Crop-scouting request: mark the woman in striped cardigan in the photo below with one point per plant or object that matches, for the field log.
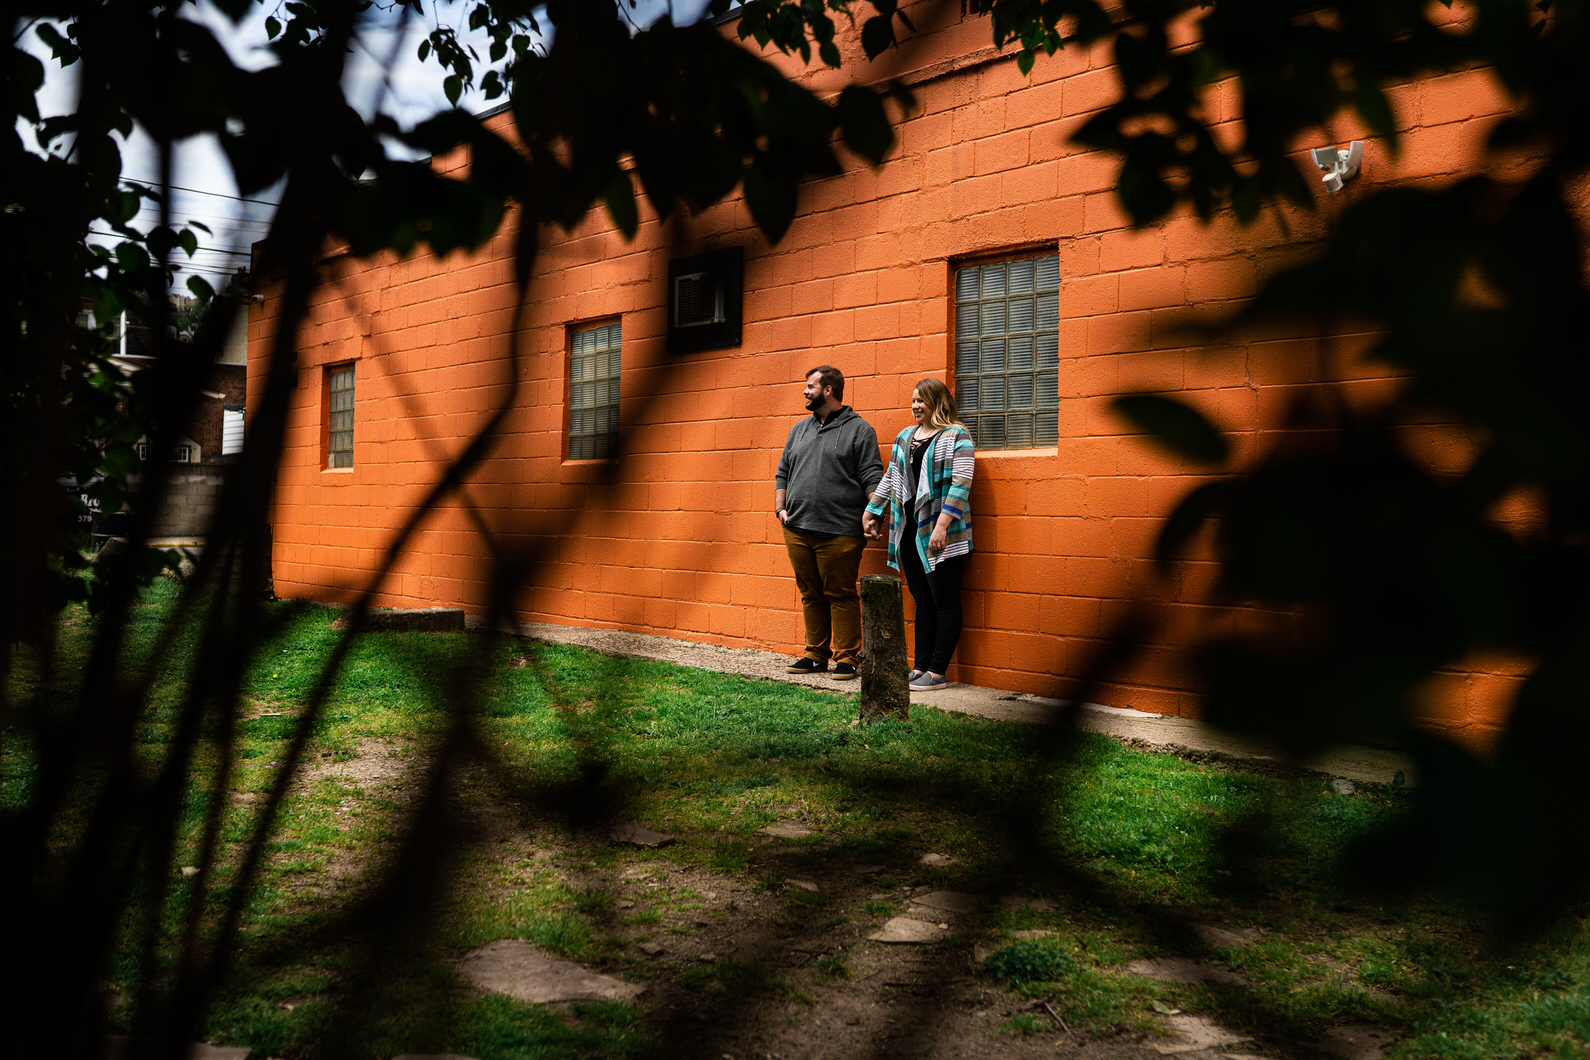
(930, 476)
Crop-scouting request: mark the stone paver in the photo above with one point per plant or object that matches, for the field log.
(788, 830)
(641, 837)
(903, 929)
(950, 901)
(1226, 935)
(519, 970)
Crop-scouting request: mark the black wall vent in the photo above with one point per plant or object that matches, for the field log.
(704, 301)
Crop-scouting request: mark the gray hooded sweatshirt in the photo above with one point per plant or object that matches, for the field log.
(828, 472)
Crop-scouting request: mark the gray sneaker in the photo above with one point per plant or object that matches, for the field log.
(926, 682)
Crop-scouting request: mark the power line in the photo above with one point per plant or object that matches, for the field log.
(190, 217)
(197, 250)
(200, 191)
(224, 217)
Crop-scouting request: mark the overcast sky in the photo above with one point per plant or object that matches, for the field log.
(203, 189)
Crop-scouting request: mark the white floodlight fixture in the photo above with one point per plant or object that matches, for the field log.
(1339, 165)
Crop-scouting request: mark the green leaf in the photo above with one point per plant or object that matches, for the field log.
(1024, 61)
(188, 241)
(132, 257)
(160, 241)
(425, 50)
(61, 48)
(201, 288)
(1179, 428)
(454, 87)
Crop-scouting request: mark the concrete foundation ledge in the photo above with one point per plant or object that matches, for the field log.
(407, 620)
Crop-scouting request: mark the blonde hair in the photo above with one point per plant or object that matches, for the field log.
(941, 411)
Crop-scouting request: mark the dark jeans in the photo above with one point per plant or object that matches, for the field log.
(937, 594)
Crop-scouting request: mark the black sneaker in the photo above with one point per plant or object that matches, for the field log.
(844, 672)
(809, 666)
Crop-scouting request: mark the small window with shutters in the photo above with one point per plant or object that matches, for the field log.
(339, 436)
(231, 429)
(593, 392)
(1007, 352)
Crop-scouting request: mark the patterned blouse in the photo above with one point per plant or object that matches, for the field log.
(945, 486)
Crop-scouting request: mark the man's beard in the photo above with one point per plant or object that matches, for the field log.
(814, 403)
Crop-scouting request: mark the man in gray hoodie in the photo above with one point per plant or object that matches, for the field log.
(828, 471)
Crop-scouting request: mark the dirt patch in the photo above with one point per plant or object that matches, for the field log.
(782, 965)
(741, 969)
(382, 764)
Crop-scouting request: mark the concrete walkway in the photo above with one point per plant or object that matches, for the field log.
(1151, 730)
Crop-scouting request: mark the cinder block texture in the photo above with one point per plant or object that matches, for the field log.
(676, 534)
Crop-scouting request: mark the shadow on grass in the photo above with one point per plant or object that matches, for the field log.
(496, 738)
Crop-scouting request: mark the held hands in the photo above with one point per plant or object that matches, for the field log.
(871, 526)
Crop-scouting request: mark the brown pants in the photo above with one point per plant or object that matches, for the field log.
(825, 572)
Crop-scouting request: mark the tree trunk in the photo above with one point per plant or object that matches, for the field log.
(885, 693)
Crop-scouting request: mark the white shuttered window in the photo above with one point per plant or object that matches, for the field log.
(231, 431)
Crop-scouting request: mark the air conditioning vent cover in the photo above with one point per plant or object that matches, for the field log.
(704, 297)
(698, 299)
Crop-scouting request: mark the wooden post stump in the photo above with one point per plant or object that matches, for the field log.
(885, 692)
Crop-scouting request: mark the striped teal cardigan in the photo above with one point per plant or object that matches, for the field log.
(945, 486)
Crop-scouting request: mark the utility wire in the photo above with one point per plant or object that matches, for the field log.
(197, 250)
(200, 191)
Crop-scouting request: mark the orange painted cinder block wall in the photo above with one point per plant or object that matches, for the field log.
(676, 536)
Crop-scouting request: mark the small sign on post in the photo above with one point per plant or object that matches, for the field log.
(885, 691)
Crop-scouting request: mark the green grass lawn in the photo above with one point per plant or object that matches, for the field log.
(1127, 847)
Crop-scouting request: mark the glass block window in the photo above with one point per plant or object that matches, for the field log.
(593, 393)
(1007, 352)
(339, 446)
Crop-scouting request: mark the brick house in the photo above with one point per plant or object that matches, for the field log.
(212, 438)
(986, 250)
